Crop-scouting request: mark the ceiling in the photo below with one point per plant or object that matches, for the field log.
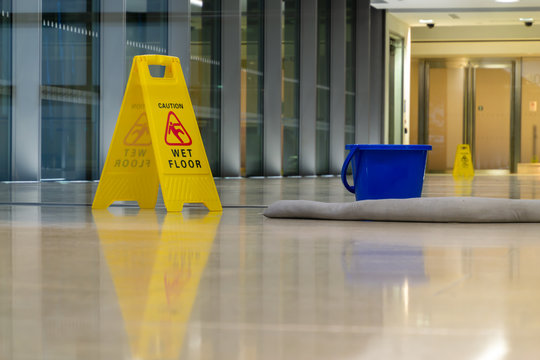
(461, 12)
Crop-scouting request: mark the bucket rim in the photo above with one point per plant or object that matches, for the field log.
(386, 147)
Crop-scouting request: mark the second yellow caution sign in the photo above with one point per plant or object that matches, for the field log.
(463, 165)
(157, 141)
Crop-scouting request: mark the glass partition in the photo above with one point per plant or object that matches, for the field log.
(146, 29)
(395, 90)
(530, 113)
(350, 74)
(205, 83)
(70, 90)
(322, 141)
(290, 116)
(5, 89)
(252, 85)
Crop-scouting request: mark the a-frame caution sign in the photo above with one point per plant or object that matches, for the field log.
(463, 165)
(157, 141)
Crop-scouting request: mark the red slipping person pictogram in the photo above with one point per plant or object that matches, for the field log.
(175, 132)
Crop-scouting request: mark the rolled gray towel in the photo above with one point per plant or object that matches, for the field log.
(442, 209)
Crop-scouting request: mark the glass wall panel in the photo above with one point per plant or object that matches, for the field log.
(5, 89)
(323, 88)
(290, 113)
(252, 84)
(530, 112)
(70, 89)
(413, 127)
(205, 88)
(350, 73)
(146, 29)
(395, 91)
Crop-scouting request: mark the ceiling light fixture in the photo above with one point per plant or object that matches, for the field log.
(425, 21)
(526, 19)
(506, 1)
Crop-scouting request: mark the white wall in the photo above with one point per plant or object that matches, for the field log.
(479, 41)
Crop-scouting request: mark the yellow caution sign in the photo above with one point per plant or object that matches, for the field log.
(463, 165)
(156, 276)
(157, 141)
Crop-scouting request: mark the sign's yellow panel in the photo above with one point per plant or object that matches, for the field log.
(157, 141)
(463, 165)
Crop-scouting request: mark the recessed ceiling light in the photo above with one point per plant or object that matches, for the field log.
(506, 1)
(425, 21)
(526, 19)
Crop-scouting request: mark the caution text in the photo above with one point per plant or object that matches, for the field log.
(183, 164)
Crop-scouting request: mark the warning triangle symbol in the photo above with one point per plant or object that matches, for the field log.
(139, 134)
(175, 132)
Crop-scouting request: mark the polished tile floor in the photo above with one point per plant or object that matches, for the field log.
(128, 284)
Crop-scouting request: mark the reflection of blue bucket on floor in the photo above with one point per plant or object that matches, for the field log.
(386, 171)
(379, 264)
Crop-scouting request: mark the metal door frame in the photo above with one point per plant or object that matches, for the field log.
(392, 131)
(469, 99)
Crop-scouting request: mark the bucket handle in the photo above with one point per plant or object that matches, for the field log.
(344, 171)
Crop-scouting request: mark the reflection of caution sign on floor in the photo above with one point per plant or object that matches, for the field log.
(156, 274)
(157, 141)
(463, 166)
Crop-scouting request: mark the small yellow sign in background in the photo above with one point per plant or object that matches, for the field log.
(157, 141)
(463, 165)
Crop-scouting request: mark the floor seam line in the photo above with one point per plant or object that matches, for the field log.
(123, 205)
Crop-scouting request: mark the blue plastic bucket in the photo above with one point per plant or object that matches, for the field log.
(386, 171)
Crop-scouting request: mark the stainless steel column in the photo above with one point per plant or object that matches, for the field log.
(180, 33)
(363, 26)
(230, 104)
(515, 119)
(113, 70)
(272, 88)
(308, 85)
(338, 66)
(26, 115)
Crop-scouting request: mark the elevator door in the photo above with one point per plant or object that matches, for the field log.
(445, 115)
(468, 103)
(491, 120)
